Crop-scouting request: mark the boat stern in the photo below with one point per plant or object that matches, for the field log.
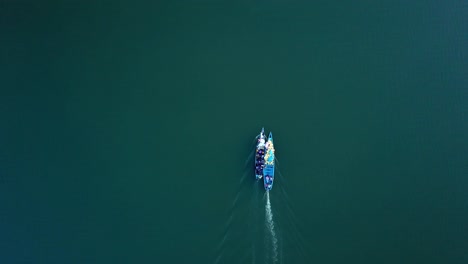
(268, 182)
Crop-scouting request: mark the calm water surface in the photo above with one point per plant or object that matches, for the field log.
(126, 131)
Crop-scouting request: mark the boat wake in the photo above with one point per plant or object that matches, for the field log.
(289, 221)
(252, 236)
(270, 224)
(238, 239)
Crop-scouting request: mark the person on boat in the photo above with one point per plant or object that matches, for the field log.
(261, 142)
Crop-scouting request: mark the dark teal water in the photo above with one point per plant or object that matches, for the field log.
(126, 131)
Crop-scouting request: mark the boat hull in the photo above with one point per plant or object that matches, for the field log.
(269, 169)
(269, 177)
(259, 155)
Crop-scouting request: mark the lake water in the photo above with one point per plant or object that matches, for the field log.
(127, 131)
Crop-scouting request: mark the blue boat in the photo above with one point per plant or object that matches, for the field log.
(260, 155)
(269, 169)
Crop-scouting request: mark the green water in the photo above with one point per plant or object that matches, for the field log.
(126, 131)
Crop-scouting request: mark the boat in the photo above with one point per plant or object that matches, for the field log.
(260, 155)
(269, 168)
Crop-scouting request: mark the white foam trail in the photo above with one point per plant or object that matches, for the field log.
(271, 228)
